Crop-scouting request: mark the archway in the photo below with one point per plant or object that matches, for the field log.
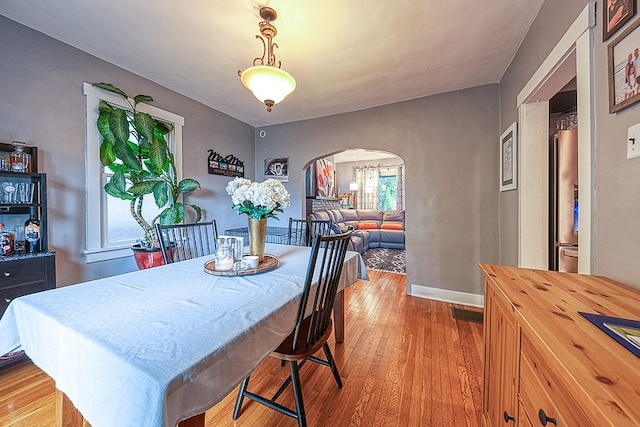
(363, 181)
(344, 164)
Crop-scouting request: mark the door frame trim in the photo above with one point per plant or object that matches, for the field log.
(572, 56)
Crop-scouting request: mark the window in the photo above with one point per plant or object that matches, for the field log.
(110, 229)
(380, 188)
(387, 190)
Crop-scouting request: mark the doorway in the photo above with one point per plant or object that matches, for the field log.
(362, 179)
(571, 58)
(365, 181)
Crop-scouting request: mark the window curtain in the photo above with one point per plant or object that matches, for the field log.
(400, 187)
(367, 180)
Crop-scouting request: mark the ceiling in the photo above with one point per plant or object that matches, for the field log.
(359, 155)
(345, 55)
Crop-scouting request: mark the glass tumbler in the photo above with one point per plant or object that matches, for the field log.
(18, 231)
(24, 192)
(8, 192)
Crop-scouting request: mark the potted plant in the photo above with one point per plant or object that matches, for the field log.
(135, 149)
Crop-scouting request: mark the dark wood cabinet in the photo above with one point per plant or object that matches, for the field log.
(24, 273)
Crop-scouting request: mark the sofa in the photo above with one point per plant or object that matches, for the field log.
(372, 228)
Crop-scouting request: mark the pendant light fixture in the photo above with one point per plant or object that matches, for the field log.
(268, 82)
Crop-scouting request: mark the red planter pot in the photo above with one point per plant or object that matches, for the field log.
(147, 258)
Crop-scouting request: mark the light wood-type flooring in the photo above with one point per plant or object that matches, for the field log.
(405, 362)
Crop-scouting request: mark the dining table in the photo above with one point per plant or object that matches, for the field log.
(158, 347)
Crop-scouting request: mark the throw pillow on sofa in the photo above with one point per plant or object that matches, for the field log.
(367, 226)
(391, 226)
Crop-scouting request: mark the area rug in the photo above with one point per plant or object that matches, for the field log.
(467, 315)
(383, 259)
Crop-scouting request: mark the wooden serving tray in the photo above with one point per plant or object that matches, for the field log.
(268, 263)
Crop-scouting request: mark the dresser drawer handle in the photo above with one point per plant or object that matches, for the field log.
(7, 274)
(507, 417)
(544, 419)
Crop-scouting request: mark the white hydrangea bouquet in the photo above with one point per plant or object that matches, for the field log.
(259, 200)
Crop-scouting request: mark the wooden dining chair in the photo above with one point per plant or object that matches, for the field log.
(313, 325)
(301, 231)
(179, 242)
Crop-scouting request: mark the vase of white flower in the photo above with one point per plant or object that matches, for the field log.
(259, 201)
(257, 237)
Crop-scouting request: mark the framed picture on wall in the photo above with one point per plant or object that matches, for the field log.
(325, 178)
(508, 158)
(616, 14)
(277, 168)
(624, 68)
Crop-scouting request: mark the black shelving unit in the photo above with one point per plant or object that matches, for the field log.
(24, 273)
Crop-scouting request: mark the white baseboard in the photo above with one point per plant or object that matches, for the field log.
(445, 295)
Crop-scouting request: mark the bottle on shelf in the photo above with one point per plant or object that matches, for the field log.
(18, 159)
(7, 242)
(32, 232)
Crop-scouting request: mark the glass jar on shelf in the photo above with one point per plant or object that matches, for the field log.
(7, 242)
(32, 232)
(19, 161)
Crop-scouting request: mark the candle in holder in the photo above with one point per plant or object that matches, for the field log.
(224, 257)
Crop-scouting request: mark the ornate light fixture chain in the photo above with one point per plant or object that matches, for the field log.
(268, 82)
(268, 32)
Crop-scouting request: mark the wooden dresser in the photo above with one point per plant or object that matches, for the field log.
(545, 364)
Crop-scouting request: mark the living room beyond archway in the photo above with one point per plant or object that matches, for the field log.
(364, 190)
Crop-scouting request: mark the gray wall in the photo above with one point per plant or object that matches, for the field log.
(616, 181)
(41, 102)
(449, 145)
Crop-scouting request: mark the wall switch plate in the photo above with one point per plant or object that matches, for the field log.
(633, 142)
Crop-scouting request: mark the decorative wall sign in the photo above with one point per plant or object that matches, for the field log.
(227, 166)
(277, 168)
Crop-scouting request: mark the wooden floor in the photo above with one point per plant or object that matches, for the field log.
(405, 362)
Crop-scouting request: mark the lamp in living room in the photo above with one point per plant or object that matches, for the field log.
(268, 83)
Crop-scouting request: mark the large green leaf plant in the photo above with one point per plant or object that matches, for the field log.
(134, 147)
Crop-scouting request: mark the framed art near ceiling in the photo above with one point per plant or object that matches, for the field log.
(616, 14)
(624, 68)
(508, 158)
(277, 168)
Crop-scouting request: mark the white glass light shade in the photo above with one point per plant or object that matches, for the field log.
(268, 83)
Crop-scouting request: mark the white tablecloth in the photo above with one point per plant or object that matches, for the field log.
(154, 347)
